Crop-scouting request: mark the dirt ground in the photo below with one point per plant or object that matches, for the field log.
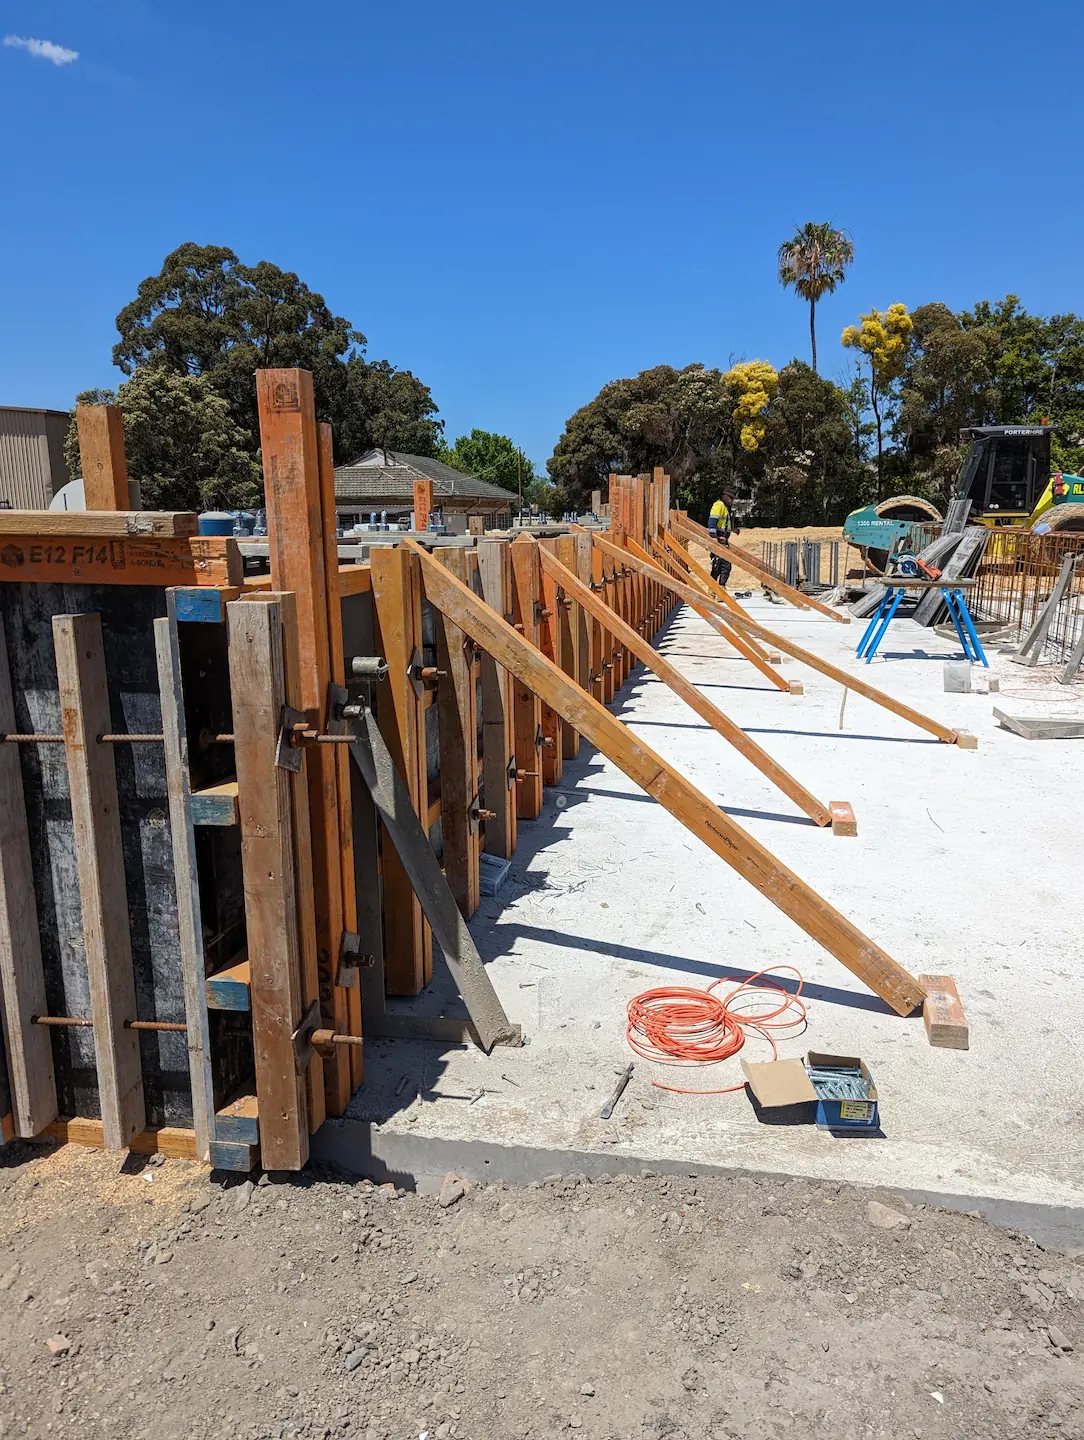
(650, 1307)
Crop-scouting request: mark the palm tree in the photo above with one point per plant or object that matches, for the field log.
(814, 260)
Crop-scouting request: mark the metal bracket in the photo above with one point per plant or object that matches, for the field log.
(287, 754)
(414, 671)
(338, 697)
(349, 960)
(511, 773)
(539, 737)
(304, 1049)
(474, 818)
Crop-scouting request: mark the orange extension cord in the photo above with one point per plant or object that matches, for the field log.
(676, 1025)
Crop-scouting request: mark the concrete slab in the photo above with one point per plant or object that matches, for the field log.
(962, 865)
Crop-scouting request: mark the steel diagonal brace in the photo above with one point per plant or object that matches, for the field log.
(370, 753)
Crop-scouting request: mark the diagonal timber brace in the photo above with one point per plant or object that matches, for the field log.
(696, 598)
(753, 861)
(670, 675)
(743, 644)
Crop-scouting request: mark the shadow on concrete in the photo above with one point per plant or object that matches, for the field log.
(505, 936)
(763, 689)
(844, 735)
(739, 813)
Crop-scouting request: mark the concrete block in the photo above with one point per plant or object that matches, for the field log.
(966, 741)
(958, 677)
(796, 687)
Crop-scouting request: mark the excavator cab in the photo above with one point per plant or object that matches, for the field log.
(1005, 473)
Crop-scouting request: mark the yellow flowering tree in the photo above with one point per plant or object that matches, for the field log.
(752, 385)
(884, 338)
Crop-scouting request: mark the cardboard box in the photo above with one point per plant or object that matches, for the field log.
(784, 1092)
(858, 1112)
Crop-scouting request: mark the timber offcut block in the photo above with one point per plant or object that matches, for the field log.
(230, 989)
(225, 1155)
(966, 741)
(215, 804)
(238, 1123)
(843, 821)
(795, 687)
(943, 1014)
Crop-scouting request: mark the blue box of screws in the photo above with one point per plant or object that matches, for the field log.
(846, 1094)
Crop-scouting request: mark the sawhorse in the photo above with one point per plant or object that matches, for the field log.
(952, 592)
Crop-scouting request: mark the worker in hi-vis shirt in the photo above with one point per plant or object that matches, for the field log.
(720, 524)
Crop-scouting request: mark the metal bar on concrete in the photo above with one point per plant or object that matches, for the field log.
(392, 800)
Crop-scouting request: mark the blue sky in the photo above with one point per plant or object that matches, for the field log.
(520, 202)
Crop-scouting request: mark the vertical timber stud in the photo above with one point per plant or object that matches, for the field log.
(550, 642)
(101, 457)
(571, 621)
(498, 718)
(258, 684)
(423, 503)
(99, 858)
(22, 978)
(457, 717)
(291, 461)
(526, 605)
(582, 567)
(598, 634)
(398, 617)
(315, 1090)
(342, 758)
(189, 914)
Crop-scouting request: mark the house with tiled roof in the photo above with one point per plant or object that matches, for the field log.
(384, 480)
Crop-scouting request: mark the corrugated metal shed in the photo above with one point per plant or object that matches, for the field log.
(32, 467)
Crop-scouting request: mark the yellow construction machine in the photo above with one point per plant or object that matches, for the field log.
(1006, 477)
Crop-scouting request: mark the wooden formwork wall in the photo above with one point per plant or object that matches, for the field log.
(219, 896)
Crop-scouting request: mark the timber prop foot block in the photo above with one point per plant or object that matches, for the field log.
(943, 1014)
(774, 657)
(966, 741)
(843, 821)
(795, 687)
(227, 1155)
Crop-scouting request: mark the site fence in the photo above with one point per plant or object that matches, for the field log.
(1016, 578)
(812, 562)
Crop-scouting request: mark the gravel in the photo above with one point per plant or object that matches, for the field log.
(647, 1308)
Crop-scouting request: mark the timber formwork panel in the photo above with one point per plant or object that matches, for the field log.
(144, 836)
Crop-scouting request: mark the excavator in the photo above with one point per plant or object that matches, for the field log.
(1006, 477)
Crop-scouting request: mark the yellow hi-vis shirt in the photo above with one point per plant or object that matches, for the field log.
(720, 514)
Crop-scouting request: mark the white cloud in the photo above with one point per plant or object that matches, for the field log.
(42, 49)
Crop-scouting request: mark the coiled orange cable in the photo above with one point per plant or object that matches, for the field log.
(676, 1025)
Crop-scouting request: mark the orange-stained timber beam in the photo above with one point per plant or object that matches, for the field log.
(698, 598)
(742, 560)
(670, 675)
(682, 799)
